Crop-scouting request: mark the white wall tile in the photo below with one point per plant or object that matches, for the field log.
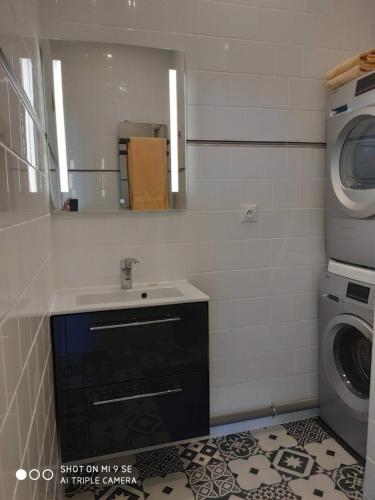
(304, 32)
(287, 125)
(317, 61)
(306, 360)
(311, 123)
(15, 122)
(207, 87)
(302, 93)
(4, 109)
(289, 60)
(322, 7)
(260, 124)
(11, 454)
(354, 36)
(273, 92)
(243, 90)
(25, 248)
(234, 20)
(274, 26)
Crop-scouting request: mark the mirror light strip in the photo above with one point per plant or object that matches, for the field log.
(173, 128)
(27, 82)
(60, 125)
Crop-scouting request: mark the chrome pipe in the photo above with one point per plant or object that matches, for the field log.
(269, 411)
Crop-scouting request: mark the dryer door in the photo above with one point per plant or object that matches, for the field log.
(353, 164)
(346, 353)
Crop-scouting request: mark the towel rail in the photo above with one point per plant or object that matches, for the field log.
(124, 179)
(264, 144)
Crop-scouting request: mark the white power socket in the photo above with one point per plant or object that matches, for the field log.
(249, 213)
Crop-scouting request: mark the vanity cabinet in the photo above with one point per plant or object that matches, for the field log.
(131, 378)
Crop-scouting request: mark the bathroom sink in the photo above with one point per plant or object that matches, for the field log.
(111, 297)
(128, 295)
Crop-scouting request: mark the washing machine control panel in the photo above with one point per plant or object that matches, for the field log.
(365, 84)
(358, 292)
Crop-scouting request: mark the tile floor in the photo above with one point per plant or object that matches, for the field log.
(297, 460)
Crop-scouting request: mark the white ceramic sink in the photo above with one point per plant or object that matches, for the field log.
(129, 295)
(76, 300)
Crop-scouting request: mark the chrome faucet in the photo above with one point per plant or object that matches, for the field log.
(126, 272)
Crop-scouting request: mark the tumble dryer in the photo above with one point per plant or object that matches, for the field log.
(350, 200)
(346, 303)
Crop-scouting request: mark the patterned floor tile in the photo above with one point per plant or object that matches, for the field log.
(198, 453)
(121, 493)
(160, 462)
(87, 495)
(329, 454)
(279, 491)
(240, 445)
(349, 480)
(214, 481)
(293, 463)
(253, 472)
(306, 431)
(315, 487)
(72, 490)
(273, 438)
(76, 491)
(296, 461)
(172, 487)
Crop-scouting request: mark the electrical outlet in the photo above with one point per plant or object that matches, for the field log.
(249, 213)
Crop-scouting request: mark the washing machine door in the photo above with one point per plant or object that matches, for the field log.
(352, 163)
(346, 353)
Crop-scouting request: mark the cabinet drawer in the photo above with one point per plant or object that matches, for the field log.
(121, 417)
(92, 349)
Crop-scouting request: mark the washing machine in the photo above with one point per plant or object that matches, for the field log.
(350, 193)
(346, 312)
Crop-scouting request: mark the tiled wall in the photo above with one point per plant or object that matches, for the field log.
(126, 83)
(254, 71)
(27, 428)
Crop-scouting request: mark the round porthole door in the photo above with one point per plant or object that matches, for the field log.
(352, 165)
(347, 347)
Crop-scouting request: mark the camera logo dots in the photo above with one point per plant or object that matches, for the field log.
(21, 474)
(47, 474)
(34, 474)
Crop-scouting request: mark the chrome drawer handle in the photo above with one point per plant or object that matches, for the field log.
(135, 323)
(137, 396)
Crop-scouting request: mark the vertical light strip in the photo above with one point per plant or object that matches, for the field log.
(27, 82)
(60, 125)
(173, 128)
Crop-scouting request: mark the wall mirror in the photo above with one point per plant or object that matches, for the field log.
(116, 126)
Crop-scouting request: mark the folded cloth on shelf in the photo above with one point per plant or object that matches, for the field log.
(365, 61)
(347, 76)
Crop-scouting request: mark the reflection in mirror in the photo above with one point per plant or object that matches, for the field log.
(116, 126)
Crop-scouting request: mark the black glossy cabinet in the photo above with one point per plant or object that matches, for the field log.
(129, 379)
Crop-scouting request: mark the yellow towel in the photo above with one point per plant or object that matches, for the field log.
(365, 60)
(347, 76)
(148, 173)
